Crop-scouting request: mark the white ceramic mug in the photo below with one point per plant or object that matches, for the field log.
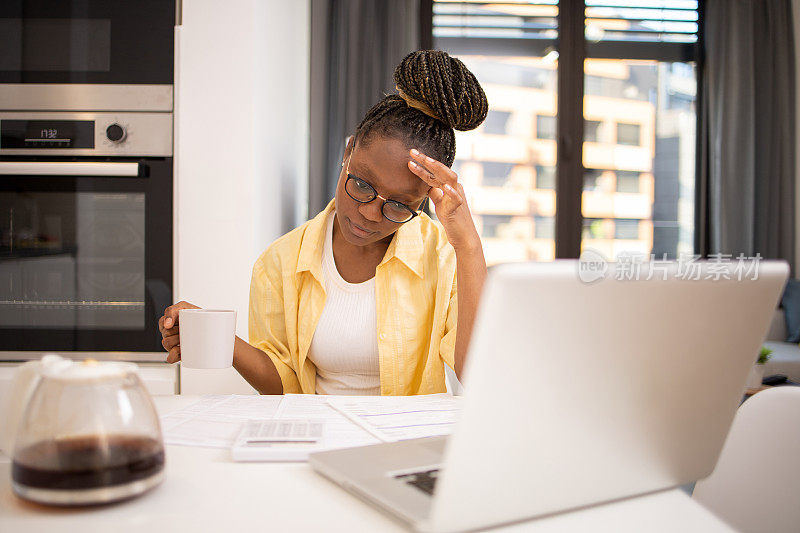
(207, 337)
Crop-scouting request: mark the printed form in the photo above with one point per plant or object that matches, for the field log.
(393, 418)
(217, 420)
(340, 432)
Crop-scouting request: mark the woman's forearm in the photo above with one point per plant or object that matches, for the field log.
(256, 367)
(470, 277)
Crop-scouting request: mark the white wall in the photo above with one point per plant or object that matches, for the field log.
(241, 145)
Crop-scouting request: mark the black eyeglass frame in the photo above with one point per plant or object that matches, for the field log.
(375, 195)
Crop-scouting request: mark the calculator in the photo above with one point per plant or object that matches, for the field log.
(278, 440)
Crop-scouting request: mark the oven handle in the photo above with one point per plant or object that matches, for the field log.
(67, 168)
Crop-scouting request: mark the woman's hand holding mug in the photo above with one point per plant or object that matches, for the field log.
(170, 331)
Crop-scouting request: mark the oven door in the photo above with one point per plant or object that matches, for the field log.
(87, 41)
(85, 253)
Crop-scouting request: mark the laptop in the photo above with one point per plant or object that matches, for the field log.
(582, 386)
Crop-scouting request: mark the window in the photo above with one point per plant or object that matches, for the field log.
(545, 127)
(544, 227)
(597, 229)
(641, 22)
(496, 122)
(602, 86)
(627, 181)
(677, 100)
(681, 69)
(590, 131)
(590, 179)
(545, 177)
(493, 225)
(517, 74)
(538, 78)
(660, 165)
(628, 134)
(635, 173)
(496, 174)
(626, 229)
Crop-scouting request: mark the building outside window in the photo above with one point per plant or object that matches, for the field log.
(496, 174)
(545, 177)
(494, 225)
(597, 229)
(626, 228)
(639, 129)
(629, 134)
(544, 227)
(591, 131)
(628, 181)
(545, 127)
(496, 122)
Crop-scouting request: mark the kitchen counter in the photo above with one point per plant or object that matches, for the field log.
(204, 490)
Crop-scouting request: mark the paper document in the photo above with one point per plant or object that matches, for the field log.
(393, 418)
(215, 420)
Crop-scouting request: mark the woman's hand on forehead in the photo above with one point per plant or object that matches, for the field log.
(448, 199)
(434, 173)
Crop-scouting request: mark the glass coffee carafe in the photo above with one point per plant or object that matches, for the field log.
(89, 434)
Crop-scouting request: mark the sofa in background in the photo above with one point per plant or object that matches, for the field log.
(786, 355)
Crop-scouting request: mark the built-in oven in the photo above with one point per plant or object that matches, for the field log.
(85, 231)
(86, 121)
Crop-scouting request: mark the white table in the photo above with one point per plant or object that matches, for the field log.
(204, 490)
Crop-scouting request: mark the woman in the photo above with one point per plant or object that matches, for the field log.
(371, 296)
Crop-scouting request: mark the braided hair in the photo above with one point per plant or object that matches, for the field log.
(446, 87)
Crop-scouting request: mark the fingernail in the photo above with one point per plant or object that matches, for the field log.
(414, 151)
(167, 322)
(414, 164)
(449, 188)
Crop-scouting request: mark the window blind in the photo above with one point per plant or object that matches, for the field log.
(496, 20)
(674, 21)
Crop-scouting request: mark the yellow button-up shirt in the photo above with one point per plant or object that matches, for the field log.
(415, 296)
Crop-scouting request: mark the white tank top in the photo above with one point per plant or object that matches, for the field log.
(345, 344)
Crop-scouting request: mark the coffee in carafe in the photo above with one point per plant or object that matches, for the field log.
(88, 462)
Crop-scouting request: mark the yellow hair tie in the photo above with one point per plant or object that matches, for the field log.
(416, 104)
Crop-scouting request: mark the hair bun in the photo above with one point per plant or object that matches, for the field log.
(445, 85)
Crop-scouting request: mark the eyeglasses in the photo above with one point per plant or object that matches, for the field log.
(363, 193)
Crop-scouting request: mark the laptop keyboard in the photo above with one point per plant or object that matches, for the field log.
(424, 481)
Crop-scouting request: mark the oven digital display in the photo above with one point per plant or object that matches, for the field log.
(46, 134)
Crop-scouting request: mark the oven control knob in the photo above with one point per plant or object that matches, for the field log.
(115, 133)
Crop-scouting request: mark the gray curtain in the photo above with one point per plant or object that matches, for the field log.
(747, 177)
(355, 46)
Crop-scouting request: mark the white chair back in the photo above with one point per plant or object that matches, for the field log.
(756, 483)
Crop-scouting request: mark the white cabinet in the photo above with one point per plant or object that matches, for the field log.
(6, 374)
(213, 381)
(241, 150)
(158, 378)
